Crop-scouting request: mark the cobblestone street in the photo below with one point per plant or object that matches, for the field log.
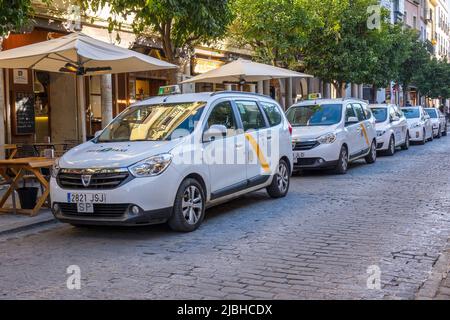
(316, 243)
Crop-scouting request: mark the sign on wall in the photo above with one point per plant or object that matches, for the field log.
(20, 76)
(25, 122)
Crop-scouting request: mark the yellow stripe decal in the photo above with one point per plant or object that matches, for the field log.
(365, 134)
(258, 151)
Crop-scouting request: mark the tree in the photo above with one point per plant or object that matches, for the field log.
(417, 57)
(433, 80)
(14, 14)
(179, 24)
(340, 48)
(274, 29)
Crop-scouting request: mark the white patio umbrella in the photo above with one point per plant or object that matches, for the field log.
(81, 55)
(242, 70)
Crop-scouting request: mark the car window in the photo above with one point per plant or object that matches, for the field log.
(392, 113)
(349, 112)
(359, 111)
(314, 115)
(272, 112)
(251, 116)
(380, 114)
(367, 112)
(223, 114)
(412, 113)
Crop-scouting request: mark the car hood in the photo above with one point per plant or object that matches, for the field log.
(313, 132)
(412, 122)
(381, 126)
(113, 154)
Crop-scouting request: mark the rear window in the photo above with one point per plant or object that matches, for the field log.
(272, 112)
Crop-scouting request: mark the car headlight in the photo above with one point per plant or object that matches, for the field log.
(327, 138)
(152, 166)
(380, 133)
(55, 168)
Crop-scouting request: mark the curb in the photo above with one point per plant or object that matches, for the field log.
(430, 287)
(25, 225)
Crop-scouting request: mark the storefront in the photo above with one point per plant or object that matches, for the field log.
(42, 106)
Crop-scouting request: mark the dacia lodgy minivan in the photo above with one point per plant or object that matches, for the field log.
(168, 158)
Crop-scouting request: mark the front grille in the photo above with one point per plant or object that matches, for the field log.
(100, 210)
(305, 145)
(72, 179)
(307, 161)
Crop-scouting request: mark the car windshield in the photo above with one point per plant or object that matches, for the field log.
(411, 113)
(154, 122)
(380, 114)
(432, 113)
(315, 115)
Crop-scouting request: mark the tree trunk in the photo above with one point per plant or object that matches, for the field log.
(374, 94)
(405, 94)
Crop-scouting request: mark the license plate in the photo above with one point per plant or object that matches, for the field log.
(74, 197)
(85, 207)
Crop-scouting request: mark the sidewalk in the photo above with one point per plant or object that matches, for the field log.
(437, 286)
(10, 222)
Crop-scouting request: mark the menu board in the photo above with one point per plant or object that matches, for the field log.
(25, 113)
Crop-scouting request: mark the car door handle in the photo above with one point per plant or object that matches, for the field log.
(269, 137)
(239, 145)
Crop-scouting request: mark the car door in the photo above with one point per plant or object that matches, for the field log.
(427, 123)
(364, 141)
(257, 136)
(403, 124)
(225, 156)
(352, 132)
(395, 125)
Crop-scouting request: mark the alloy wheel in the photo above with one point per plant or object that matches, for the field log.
(282, 177)
(192, 204)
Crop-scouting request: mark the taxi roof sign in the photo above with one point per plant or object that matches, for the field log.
(314, 96)
(166, 90)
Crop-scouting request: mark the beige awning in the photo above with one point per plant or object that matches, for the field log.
(78, 51)
(246, 71)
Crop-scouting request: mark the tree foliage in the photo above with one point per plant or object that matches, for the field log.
(14, 14)
(179, 24)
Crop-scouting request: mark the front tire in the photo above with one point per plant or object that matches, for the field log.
(424, 139)
(280, 182)
(444, 134)
(391, 148)
(405, 145)
(189, 207)
(342, 165)
(372, 156)
(439, 133)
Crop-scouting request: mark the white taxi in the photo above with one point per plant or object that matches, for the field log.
(330, 133)
(167, 158)
(392, 128)
(438, 122)
(419, 122)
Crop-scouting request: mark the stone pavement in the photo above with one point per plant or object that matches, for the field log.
(317, 243)
(10, 222)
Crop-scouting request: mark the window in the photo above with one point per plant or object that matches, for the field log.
(154, 122)
(251, 115)
(359, 111)
(272, 112)
(349, 113)
(315, 115)
(223, 114)
(380, 114)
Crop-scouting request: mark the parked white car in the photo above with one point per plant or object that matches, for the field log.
(420, 128)
(330, 133)
(167, 158)
(438, 122)
(392, 128)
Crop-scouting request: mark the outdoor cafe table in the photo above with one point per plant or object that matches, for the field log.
(23, 166)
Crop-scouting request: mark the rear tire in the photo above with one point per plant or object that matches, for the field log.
(372, 156)
(391, 148)
(424, 139)
(189, 207)
(405, 145)
(280, 181)
(342, 166)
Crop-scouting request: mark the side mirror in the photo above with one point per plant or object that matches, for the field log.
(351, 120)
(215, 132)
(97, 133)
(395, 118)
